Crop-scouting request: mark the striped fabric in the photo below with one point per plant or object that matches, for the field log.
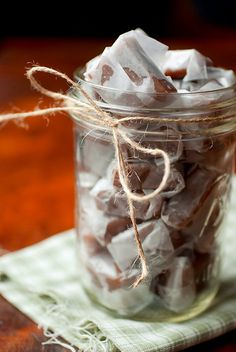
(42, 281)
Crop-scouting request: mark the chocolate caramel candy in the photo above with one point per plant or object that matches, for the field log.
(176, 285)
(90, 153)
(139, 67)
(104, 271)
(113, 201)
(90, 244)
(130, 66)
(102, 226)
(205, 225)
(144, 176)
(178, 212)
(170, 142)
(216, 153)
(189, 64)
(156, 242)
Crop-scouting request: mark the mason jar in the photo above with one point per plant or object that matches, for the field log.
(181, 227)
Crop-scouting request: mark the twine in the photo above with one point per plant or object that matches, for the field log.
(91, 112)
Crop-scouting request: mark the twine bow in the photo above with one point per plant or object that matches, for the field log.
(91, 112)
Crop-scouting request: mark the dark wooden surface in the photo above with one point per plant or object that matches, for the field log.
(36, 163)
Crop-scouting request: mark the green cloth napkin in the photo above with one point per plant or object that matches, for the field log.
(42, 281)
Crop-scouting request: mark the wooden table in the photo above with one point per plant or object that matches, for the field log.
(36, 163)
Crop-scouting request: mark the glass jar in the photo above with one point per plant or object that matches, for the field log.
(180, 228)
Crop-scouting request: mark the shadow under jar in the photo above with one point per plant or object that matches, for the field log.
(180, 228)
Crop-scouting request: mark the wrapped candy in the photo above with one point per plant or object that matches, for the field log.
(225, 78)
(178, 102)
(205, 225)
(103, 268)
(90, 158)
(123, 300)
(104, 271)
(130, 64)
(188, 65)
(113, 202)
(176, 285)
(146, 176)
(198, 185)
(89, 242)
(192, 71)
(127, 301)
(101, 226)
(174, 147)
(156, 242)
(215, 154)
(196, 86)
(153, 50)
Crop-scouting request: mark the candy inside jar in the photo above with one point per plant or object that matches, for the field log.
(165, 95)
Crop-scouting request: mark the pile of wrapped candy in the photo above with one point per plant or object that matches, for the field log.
(179, 227)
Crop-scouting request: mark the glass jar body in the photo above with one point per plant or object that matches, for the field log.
(180, 228)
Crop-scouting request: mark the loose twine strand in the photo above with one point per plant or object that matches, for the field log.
(91, 112)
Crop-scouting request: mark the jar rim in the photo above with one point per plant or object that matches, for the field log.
(173, 109)
(79, 72)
